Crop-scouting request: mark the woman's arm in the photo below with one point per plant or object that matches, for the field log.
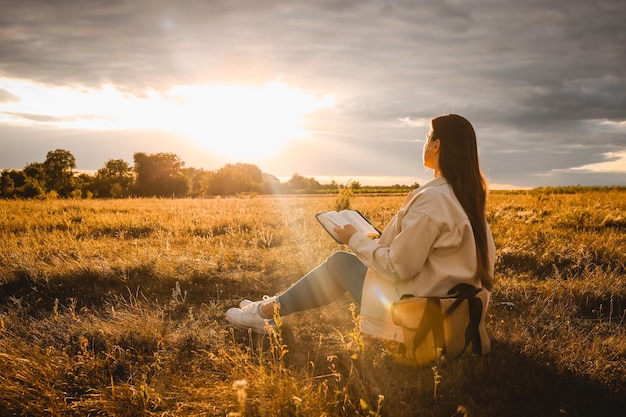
(407, 253)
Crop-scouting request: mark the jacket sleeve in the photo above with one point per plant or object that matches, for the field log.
(407, 252)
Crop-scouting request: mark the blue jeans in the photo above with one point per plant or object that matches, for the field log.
(341, 272)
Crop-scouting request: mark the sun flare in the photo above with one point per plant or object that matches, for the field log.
(228, 119)
(244, 121)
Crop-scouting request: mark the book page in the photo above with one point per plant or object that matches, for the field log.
(338, 218)
(330, 219)
(327, 223)
(362, 225)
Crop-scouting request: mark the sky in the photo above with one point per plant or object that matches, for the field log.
(331, 89)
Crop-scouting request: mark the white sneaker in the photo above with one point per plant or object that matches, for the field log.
(248, 317)
(244, 303)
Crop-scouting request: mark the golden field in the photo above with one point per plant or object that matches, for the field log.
(116, 308)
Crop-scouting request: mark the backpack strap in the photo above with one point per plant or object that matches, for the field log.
(472, 334)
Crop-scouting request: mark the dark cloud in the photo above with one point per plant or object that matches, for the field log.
(536, 77)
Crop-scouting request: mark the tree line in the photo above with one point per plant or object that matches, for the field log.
(152, 175)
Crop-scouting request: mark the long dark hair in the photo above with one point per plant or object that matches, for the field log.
(458, 161)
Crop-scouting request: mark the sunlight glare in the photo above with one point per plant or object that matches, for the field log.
(232, 120)
(244, 121)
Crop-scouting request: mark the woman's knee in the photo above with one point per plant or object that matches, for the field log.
(341, 262)
(341, 258)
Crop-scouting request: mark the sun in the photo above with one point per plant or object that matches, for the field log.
(235, 121)
(243, 121)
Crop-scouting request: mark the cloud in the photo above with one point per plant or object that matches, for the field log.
(7, 96)
(43, 118)
(614, 162)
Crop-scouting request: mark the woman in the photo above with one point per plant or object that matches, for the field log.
(438, 239)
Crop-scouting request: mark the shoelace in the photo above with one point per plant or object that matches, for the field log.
(251, 306)
(255, 305)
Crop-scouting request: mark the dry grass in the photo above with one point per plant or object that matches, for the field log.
(116, 308)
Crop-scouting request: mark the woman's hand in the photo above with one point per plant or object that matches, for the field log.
(345, 233)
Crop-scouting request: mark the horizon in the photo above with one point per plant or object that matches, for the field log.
(366, 181)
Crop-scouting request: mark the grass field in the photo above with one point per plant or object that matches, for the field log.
(116, 308)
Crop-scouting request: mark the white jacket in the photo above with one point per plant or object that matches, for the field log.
(425, 250)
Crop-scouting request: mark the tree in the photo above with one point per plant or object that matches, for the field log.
(199, 181)
(159, 175)
(271, 184)
(83, 186)
(7, 183)
(300, 184)
(237, 178)
(115, 179)
(355, 185)
(35, 171)
(58, 168)
(34, 180)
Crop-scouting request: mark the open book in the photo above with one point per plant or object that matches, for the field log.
(330, 219)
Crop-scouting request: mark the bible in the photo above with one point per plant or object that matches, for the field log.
(330, 219)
